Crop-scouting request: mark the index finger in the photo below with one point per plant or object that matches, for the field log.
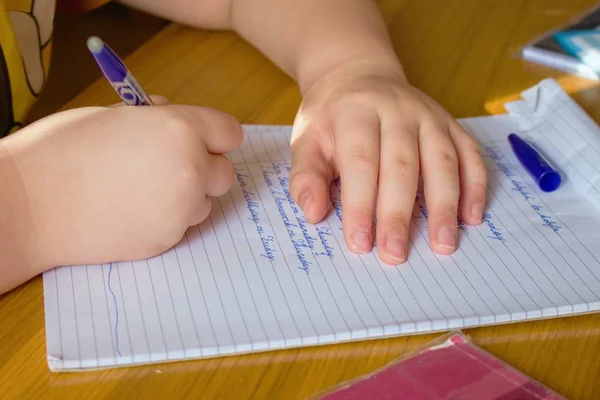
(357, 153)
(220, 131)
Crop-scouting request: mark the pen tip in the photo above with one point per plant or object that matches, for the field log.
(95, 44)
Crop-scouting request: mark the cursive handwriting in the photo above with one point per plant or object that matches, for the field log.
(323, 233)
(462, 226)
(521, 187)
(496, 232)
(282, 198)
(254, 209)
(547, 220)
(336, 199)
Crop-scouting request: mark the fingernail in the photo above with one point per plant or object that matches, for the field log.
(362, 241)
(395, 247)
(447, 237)
(477, 212)
(306, 202)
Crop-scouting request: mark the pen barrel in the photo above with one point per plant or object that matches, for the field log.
(113, 68)
(131, 92)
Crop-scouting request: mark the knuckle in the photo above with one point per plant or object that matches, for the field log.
(362, 159)
(472, 160)
(419, 109)
(176, 121)
(408, 130)
(188, 176)
(395, 219)
(448, 159)
(401, 166)
(361, 96)
(478, 181)
(300, 179)
(310, 174)
(362, 214)
(478, 169)
(446, 211)
(377, 92)
(203, 211)
(471, 148)
(230, 125)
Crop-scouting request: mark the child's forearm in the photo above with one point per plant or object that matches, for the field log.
(306, 38)
(310, 38)
(17, 245)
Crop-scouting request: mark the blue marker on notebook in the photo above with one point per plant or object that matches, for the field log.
(117, 74)
(545, 176)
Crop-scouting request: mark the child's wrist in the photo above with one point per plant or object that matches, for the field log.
(343, 65)
(348, 69)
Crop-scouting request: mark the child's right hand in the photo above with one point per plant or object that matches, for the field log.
(122, 183)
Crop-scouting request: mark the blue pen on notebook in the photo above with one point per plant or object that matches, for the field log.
(545, 176)
(117, 74)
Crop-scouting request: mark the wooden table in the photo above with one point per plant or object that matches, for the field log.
(460, 52)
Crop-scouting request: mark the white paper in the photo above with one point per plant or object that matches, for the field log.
(255, 276)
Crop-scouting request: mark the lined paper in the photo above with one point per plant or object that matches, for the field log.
(255, 276)
(563, 132)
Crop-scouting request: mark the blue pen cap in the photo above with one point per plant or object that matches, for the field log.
(546, 177)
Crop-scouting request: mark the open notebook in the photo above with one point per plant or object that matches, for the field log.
(255, 276)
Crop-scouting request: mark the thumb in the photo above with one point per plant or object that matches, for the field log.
(310, 178)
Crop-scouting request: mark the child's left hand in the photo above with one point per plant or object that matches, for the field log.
(375, 131)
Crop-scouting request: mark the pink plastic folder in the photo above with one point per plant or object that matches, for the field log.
(450, 368)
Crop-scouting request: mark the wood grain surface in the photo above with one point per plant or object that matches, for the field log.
(463, 53)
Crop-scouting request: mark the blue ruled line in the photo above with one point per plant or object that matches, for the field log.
(116, 311)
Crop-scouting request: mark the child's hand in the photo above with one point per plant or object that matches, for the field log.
(377, 133)
(123, 183)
